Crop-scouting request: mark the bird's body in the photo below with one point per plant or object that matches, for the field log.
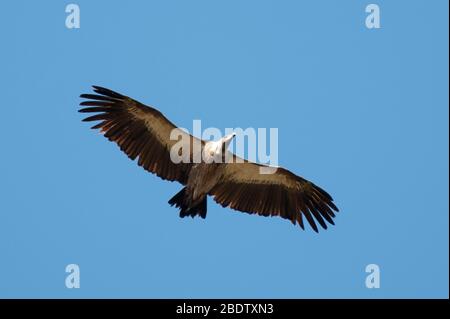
(202, 179)
(143, 132)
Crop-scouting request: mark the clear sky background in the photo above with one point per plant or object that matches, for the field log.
(362, 113)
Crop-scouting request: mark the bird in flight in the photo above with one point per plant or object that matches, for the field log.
(144, 133)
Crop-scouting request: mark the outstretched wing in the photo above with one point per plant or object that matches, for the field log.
(282, 193)
(139, 130)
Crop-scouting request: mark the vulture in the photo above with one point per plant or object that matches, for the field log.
(144, 133)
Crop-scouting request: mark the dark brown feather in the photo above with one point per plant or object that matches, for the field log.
(139, 130)
(283, 194)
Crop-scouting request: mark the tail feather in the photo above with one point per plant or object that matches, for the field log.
(184, 203)
(178, 199)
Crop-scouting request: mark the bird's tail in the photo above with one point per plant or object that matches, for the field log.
(184, 203)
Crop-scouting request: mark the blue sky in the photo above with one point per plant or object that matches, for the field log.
(362, 113)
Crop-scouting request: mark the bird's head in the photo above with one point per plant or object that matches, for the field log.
(217, 149)
(226, 140)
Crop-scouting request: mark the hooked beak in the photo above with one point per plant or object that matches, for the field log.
(227, 139)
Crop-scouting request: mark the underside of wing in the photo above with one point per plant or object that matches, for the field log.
(245, 188)
(140, 131)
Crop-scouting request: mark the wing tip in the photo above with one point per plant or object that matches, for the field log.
(107, 92)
